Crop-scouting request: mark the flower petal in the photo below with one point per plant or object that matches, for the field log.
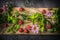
(35, 25)
(37, 32)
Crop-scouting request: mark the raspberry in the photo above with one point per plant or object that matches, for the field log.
(1, 10)
(21, 9)
(43, 11)
(21, 30)
(29, 27)
(20, 22)
(48, 27)
(26, 31)
(4, 25)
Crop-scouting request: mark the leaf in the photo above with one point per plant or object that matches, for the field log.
(8, 18)
(42, 29)
(17, 27)
(10, 28)
(11, 17)
(15, 21)
(42, 24)
(32, 17)
(36, 15)
(35, 20)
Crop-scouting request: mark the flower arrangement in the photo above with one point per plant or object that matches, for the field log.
(39, 20)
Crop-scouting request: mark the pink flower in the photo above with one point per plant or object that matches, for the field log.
(53, 21)
(35, 29)
(4, 7)
(49, 14)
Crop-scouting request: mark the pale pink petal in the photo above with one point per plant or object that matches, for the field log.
(35, 25)
(37, 29)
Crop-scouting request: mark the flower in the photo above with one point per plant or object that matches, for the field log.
(53, 21)
(49, 14)
(4, 7)
(35, 29)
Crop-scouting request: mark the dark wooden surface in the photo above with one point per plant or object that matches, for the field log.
(29, 37)
(37, 3)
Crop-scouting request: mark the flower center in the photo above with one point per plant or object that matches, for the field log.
(34, 28)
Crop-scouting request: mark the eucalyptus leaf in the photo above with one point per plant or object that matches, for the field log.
(15, 21)
(32, 17)
(42, 28)
(17, 27)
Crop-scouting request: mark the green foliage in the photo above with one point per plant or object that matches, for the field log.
(3, 18)
(35, 17)
(17, 26)
(14, 21)
(42, 24)
(57, 25)
(38, 17)
(10, 28)
(25, 17)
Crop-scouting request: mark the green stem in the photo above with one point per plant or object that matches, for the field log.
(42, 24)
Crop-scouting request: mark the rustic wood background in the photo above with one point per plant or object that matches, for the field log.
(37, 3)
(29, 37)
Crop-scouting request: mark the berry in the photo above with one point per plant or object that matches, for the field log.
(48, 26)
(1, 10)
(43, 11)
(20, 22)
(4, 25)
(29, 27)
(21, 30)
(26, 31)
(21, 9)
